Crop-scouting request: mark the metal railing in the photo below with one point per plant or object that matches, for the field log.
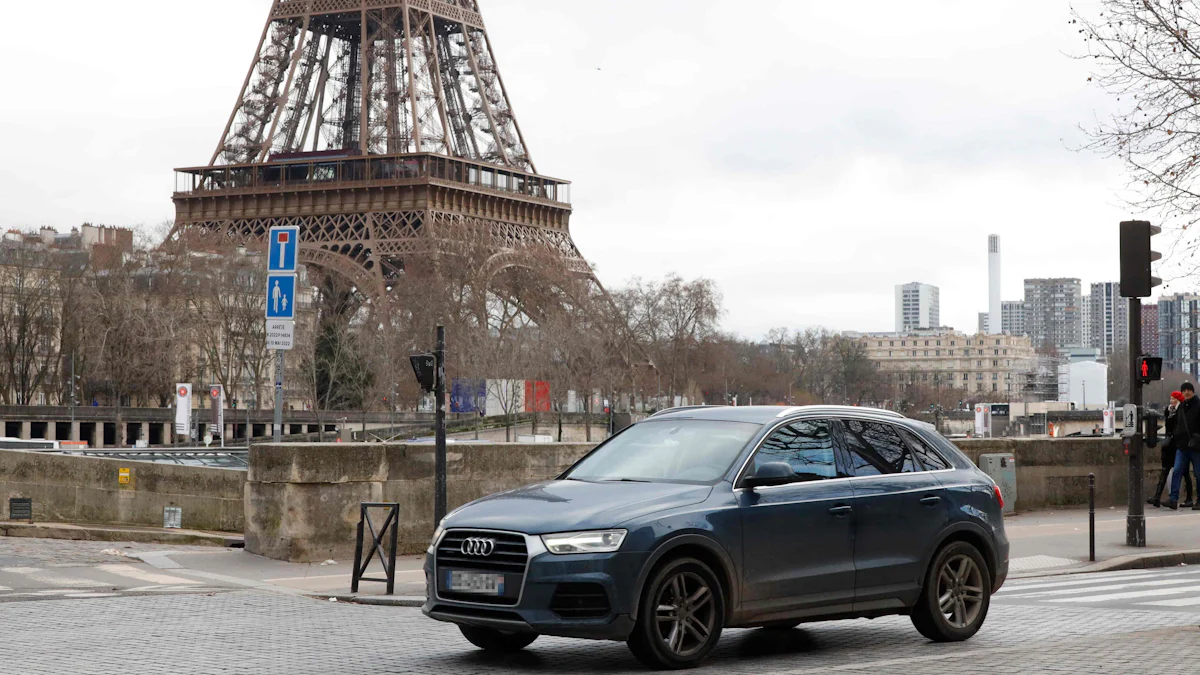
(226, 458)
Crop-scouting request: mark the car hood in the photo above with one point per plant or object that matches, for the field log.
(572, 505)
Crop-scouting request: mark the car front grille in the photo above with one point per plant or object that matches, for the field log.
(509, 558)
(579, 601)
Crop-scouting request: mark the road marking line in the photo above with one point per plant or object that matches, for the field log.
(1129, 595)
(4, 588)
(44, 576)
(1178, 602)
(1075, 580)
(1097, 589)
(144, 576)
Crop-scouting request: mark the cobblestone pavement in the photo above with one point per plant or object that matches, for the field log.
(252, 632)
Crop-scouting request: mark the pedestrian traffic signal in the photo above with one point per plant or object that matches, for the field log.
(1149, 369)
(425, 368)
(1150, 427)
(1136, 257)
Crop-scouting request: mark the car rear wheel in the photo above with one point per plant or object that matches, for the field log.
(957, 593)
(680, 617)
(493, 640)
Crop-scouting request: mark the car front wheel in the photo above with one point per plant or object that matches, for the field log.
(493, 640)
(954, 601)
(680, 617)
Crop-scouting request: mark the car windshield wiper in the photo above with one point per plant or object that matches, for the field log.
(624, 480)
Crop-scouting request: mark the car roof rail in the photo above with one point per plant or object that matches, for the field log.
(840, 409)
(681, 408)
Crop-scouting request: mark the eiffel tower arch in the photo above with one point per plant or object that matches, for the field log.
(382, 128)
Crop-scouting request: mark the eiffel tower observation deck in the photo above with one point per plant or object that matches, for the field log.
(383, 129)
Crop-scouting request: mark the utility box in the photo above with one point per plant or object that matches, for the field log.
(1002, 467)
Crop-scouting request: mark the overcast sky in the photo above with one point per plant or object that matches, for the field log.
(805, 155)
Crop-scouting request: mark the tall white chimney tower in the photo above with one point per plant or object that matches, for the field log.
(994, 284)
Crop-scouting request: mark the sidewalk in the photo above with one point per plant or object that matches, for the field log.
(129, 533)
(1057, 541)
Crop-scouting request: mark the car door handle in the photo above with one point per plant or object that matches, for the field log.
(931, 500)
(840, 510)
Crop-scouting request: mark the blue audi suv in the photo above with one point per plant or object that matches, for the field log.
(700, 519)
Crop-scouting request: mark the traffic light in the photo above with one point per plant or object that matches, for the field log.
(425, 368)
(1150, 427)
(1136, 257)
(1149, 369)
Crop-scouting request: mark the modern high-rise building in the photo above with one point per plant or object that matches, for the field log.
(1150, 346)
(984, 321)
(1012, 317)
(917, 306)
(1085, 321)
(994, 309)
(1179, 333)
(1053, 312)
(1108, 327)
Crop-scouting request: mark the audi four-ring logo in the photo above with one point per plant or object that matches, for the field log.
(478, 546)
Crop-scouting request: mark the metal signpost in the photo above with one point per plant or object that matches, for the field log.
(282, 256)
(430, 370)
(218, 412)
(1137, 281)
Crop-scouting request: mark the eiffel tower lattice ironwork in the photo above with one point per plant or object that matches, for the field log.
(379, 127)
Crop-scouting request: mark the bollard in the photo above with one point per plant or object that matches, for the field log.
(1092, 517)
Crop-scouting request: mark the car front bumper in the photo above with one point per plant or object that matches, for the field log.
(534, 611)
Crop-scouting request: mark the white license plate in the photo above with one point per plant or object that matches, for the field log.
(475, 582)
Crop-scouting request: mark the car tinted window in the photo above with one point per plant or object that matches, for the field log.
(806, 445)
(876, 448)
(667, 450)
(928, 456)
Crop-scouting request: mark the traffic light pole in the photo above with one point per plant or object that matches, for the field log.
(1135, 521)
(439, 392)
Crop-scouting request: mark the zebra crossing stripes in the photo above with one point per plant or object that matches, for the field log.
(1169, 588)
(95, 581)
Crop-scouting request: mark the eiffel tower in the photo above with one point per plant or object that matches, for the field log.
(380, 128)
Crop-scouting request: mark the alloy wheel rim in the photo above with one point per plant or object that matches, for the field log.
(960, 591)
(685, 613)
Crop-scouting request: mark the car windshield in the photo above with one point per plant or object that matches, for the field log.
(667, 451)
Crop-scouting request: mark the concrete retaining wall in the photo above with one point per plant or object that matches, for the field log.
(72, 489)
(1053, 472)
(302, 501)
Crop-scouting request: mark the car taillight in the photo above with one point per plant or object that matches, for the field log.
(999, 497)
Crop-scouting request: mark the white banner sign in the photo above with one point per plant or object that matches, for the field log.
(280, 334)
(183, 409)
(1110, 421)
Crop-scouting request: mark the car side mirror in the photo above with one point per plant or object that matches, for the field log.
(771, 473)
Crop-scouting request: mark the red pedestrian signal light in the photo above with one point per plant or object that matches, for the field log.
(1149, 369)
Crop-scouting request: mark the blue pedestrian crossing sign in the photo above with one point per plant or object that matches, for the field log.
(285, 244)
(281, 296)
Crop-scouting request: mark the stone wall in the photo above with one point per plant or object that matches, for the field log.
(72, 489)
(302, 501)
(1053, 472)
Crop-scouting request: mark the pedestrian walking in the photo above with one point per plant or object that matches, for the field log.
(1167, 451)
(1187, 442)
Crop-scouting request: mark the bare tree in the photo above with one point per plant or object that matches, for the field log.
(29, 323)
(1146, 54)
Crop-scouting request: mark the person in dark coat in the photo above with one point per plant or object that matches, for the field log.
(1167, 450)
(1187, 442)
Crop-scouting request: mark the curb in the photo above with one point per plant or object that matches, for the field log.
(1135, 561)
(96, 533)
(378, 600)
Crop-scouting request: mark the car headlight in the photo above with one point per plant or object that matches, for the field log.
(437, 534)
(602, 541)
